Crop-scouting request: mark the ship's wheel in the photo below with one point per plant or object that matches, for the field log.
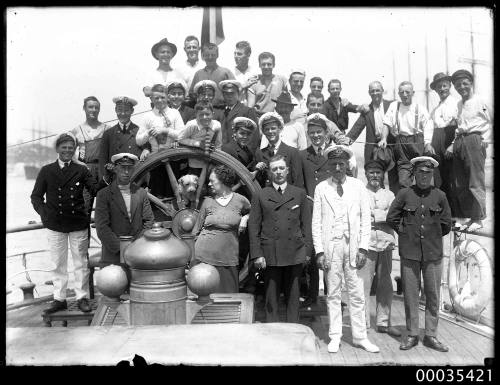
(183, 218)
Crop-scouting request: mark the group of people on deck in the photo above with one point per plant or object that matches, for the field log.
(312, 212)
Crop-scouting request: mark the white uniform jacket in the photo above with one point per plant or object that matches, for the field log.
(326, 201)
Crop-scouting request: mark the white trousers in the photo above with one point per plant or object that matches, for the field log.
(58, 247)
(338, 255)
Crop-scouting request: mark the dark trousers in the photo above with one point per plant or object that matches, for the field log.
(286, 279)
(407, 148)
(410, 277)
(444, 174)
(468, 164)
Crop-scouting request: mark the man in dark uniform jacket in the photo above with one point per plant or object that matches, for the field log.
(315, 169)
(421, 216)
(121, 137)
(64, 215)
(243, 129)
(373, 121)
(271, 124)
(234, 108)
(122, 208)
(280, 239)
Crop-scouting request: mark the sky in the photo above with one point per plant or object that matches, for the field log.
(56, 56)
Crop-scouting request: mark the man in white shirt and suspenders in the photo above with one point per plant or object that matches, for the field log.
(410, 124)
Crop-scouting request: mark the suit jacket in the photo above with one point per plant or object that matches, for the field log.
(314, 168)
(280, 226)
(293, 162)
(115, 141)
(187, 113)
(239, 110)
(63, 208)
(368, 120)
(358, 211)
(340, 119)
(421, 219)
(245, 157)
(112, 220)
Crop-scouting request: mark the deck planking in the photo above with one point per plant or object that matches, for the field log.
(466, 347)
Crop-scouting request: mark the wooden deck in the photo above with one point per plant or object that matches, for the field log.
(466, 347)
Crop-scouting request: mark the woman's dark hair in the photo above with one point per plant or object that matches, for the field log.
(225, 175)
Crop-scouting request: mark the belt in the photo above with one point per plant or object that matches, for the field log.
(468, 133)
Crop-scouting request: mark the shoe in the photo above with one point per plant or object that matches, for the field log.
(333, 346)
(408, 342)
(475, 226)
(366, 344)
(308, 303)
(433, 343)
(391, 330)
(84, 305)
(56, 306)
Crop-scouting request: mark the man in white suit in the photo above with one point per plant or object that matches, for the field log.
(341, 227)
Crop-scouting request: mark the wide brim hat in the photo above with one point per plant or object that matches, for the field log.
(461, 74)
(426, 162)
(124, 100)
(338, 151)
(270, 116)
(124, 158)
(284, 98)
(437, 78)
(164, 41)
(204, 84)
(242, 122)
(230, 82)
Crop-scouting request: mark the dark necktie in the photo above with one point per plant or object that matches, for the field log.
(280, 190)
(65, 167)
(320, 151)
(227, 110)
(340, 190)
(124, 129)
(271, 150)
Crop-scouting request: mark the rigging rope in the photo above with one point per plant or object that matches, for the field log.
(49, 136)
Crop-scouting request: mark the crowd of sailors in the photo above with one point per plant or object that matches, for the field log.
(312, 211)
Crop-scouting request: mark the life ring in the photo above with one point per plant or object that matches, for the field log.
(470, 279)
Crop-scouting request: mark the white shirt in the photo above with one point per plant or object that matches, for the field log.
(299, 112)
(125, 191)
(243, 77)
(406, 119)
(83, 132)
(282, 186)
(61, 163)
(187, 71)
(382, 235)
(154, 119)
(378, 115)
(322, 148)
(444, 112)
(164, 77)
(474, 116)
(293, 134)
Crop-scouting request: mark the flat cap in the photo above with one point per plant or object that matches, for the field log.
(426, 162)
(229, 83)
(338, 151)
(241, 121)
(317, 119)
(461, 74)
(124, 100)
(124, 158)
(270, 117)
(204, 84)
(65, 137)
(374, 163)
